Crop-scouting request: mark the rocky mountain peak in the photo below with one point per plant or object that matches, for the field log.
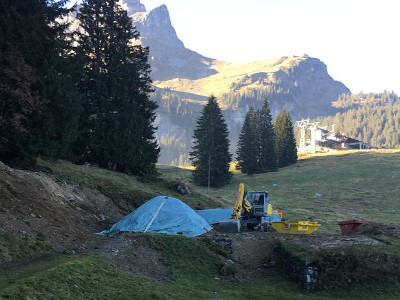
(134, 6)
(155, 25)
(169, 58)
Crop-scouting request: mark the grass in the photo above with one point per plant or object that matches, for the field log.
(119, 186)
(20, 249)
(194, 268)
(229, 73)
(353, 184)
(337, 267)
(357, 184)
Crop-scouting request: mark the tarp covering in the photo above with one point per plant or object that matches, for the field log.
(213, 216)
(275, 218)
(161, 215)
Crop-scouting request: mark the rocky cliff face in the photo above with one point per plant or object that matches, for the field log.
(169, 58)
(300, 83)
(134, 6)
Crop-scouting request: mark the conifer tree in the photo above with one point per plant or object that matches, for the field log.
(18, 102)
(29, 30)
(118, 116)
(266, 138)
(210, 153)
(247, 152)
(285, 144)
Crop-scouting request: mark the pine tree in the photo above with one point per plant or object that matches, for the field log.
(57, 127)
(247, 152)
(18, 102)
(266, 138)
(29, 30)
(211, 147)
(285, 144)
(118, 117)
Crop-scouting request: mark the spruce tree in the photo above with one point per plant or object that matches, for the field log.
(266, 138)
(247, 152)
(118, 118)
(285, 144)
(210, 153)
(18, 102)
(30, 31)
(57, 126)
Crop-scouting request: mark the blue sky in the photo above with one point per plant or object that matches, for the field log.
(357, 39)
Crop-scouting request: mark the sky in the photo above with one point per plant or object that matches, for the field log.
(358, 40)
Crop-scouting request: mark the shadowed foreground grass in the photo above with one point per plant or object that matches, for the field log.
(194, 268)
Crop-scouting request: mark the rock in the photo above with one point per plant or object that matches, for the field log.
(200, 206)
(228, 269)
(169, 58)
(134, 6)
(181, 188)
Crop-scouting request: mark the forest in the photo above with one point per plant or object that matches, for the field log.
(372, 118)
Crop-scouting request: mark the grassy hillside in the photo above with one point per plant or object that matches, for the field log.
(120, 186)
(330, 188)
(325, 188)
(348, 184)
(229, 73)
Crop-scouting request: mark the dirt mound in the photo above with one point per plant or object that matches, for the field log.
(40, 205)
(317, 242)
(251, 254)
(372, 228)
(135, 255)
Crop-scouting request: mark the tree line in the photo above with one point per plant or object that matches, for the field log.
(79, 90)
(79, 93)
(262, 146)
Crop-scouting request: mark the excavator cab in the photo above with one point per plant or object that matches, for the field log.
(259, 202)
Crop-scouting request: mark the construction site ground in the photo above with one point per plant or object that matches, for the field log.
(41, 206)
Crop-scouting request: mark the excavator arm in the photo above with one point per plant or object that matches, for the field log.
(241, 204)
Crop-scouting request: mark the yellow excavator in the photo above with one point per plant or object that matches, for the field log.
(252, 208)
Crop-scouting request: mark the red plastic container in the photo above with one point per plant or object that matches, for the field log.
(350, 225)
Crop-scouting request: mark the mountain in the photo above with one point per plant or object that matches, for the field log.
(169, 58)
(184, 79)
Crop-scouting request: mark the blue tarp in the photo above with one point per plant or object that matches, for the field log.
(161, 215)
(213, 216)
(275, 218)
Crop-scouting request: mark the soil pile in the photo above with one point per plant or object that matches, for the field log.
(372, 228)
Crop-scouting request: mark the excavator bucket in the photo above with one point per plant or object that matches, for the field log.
(229, 225)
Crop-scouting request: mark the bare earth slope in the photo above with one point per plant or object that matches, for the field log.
(39, 205)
